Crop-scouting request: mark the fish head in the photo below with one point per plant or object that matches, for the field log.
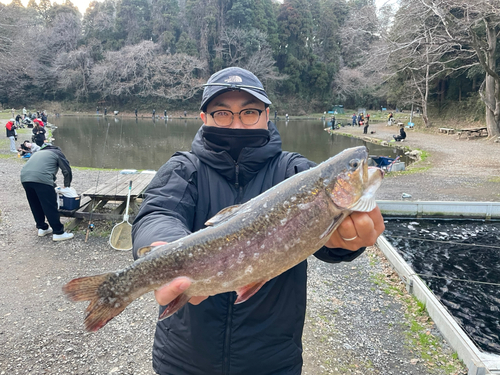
(350, 182)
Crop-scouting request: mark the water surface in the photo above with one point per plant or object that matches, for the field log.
(113, 142)
(445, 251)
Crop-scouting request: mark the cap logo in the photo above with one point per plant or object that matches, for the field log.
(233, 79)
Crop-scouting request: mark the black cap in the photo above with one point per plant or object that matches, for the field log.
(233, 78)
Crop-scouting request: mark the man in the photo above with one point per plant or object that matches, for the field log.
(38, 177)
(235, 156)
(10, 129)
(135, 112)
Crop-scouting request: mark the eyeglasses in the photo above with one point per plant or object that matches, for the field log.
(248, 116)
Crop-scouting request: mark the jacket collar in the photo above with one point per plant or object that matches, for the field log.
(250, 162)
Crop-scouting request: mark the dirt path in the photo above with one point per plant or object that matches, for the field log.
(457, 169)
(353, 326)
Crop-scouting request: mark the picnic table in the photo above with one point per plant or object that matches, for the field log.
(447, 130)
(113, 190)
(476, 132)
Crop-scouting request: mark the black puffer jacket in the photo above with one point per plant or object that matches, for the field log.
(262, 335)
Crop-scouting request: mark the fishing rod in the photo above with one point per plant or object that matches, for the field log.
(445, 242)
(91, 226)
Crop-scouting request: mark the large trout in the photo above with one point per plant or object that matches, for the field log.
(244, 246)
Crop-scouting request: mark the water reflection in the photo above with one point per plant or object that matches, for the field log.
(132, 143)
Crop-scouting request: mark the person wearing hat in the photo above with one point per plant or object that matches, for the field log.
(235, 156)
(10, 128)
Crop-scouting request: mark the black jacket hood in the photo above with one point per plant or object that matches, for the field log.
(249, 163)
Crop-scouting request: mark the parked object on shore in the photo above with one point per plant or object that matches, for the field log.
(243, 248)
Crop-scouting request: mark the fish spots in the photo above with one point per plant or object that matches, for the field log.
(220, 273)
(286, 204)
(283, 221)
(293, 199)
(190, 255)
(117, 305)
(265, 205)
(241, 256)
(262, 246)
(304, 206)
(248, 270)
(256, 255)
(249, 243)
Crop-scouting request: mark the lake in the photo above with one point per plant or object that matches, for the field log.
(129, 143)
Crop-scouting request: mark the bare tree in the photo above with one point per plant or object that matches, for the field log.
(417, 50)
(143, 71)
(477, 23)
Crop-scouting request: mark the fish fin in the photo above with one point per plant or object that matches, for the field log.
(335, 223)
(223, 215)
(248, 291)
(100, 310)
(144, 250)
(364, 204)
(174, 306)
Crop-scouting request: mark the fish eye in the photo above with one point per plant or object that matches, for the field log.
(354, 163)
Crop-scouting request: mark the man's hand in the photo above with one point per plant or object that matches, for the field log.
(168, 292)
(358, 230)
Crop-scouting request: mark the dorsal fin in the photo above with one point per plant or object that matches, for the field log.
(223, 215)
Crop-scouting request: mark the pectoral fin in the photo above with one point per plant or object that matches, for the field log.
(174, 306)
(223, 215)
(248, 291)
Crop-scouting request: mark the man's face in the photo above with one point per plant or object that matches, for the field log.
(235, 101)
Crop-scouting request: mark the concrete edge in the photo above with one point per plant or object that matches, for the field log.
(478, 363)
(482, 210)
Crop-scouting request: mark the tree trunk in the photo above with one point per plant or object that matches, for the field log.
(492, 85)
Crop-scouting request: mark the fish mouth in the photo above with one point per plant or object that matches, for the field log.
(372, 179)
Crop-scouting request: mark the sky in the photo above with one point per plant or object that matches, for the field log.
(83, 4)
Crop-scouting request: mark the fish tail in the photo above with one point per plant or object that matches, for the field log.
(101, 308)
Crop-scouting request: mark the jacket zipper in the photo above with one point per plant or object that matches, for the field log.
(227, 335)
(239, 188)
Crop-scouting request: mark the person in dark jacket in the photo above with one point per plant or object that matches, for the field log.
(38, 177)
(402, 134)
(235, 156)
(39, 134)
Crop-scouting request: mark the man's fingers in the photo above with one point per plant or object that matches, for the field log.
(167, 293)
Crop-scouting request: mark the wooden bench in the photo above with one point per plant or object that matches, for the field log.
(113, 190)
(473, 132)
(447, 130)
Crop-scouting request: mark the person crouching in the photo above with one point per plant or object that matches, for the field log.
(37, 177)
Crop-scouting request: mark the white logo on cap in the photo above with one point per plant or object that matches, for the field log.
(233, 79)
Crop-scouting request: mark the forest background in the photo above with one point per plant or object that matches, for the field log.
(438, 55)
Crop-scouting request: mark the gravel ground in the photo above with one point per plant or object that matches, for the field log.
(353, 326)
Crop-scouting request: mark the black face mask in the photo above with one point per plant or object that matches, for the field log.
(234, 140)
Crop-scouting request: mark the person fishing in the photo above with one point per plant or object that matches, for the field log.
(236, 155)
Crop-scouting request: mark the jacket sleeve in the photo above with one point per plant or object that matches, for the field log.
(168, 210)
(65, 169)
(297, 164)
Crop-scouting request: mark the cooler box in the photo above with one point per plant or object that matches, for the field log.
(69, 204)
